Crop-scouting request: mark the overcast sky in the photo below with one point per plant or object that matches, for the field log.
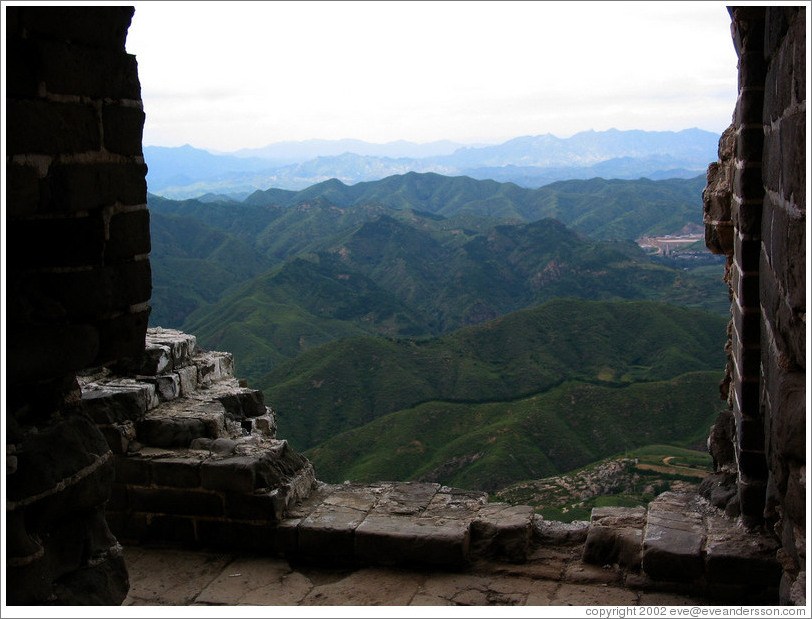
(229, 75)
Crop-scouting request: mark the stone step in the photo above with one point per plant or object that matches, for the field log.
(682, 539)
(164, 351)
(403, 523)
(195, 495)
(224, 410)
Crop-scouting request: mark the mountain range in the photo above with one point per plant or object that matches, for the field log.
(450, 329)
(531, 394)
(282, 272)
(528, 161)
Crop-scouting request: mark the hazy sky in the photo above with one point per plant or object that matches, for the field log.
(230, 75)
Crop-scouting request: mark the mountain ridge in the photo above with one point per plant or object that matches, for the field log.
(544, 158)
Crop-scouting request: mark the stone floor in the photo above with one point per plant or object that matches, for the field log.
(552, 577)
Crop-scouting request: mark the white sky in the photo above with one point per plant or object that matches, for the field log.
(230, 75)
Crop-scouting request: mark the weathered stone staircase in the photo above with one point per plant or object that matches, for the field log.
(198, 463)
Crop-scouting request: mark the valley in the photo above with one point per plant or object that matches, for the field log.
(448, 329)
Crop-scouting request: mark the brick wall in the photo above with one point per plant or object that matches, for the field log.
(78, 286)
(755, 213)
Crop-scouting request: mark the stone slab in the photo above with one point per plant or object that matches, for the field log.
(456, 503)
(257, 581)
(362, 497)
(328, 534)
(592, 595)
(170, 578)
(118, 401)
(619, 516)
(735, 556)
(672, 554)
(384, 539)
(503, 531)
(366, 587)
(407, 498)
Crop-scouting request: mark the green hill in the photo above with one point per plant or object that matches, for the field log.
(435, 242)
(295, 307)
(491, 445)
(397, 277)
(599, 208)
(347, 384)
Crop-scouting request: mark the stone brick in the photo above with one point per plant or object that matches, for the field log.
(176, 472)
(746, 356)
(790, 329)
(753, 464)
(770, 293)
(787, 240)
(133, 470)
(790, 415)
(752, 495)
(796, 497)
(88, 186)
(98, 292)
(168, 386)
(719, 238)
(238, 474)
(734, 556)
(116, 405)
(104, 27)
(407, 498)
(745, 287)
(176, 502)
(793, 163)
(129, 235)
(328, 534)
(73, 70)
(776, 21)
(22, 190)
(749, 141)
(746, 395)
(749, 432)
(778, 88)
(22, 67)
(123, 129)
(45, 127)
(747, 251)
(244, 403)
(119, 436)
(748, 110)
(747, 325)
(749, 22)
(188, 379)
(502, 531)
(122, 336)
(717, 206)
(396, 540)
(41, 352)
(67, 242)
(797, 32)
(171, 432)
(771, 159)
(257, 506)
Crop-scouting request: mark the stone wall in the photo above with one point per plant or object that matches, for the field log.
(755, 213)
(78, 286)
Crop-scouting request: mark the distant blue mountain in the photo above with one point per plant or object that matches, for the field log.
(528, 161)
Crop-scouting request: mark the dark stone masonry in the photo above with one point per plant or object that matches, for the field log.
(116, 433)
(755, 214)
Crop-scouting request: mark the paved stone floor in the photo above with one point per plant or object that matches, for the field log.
(553, 577)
